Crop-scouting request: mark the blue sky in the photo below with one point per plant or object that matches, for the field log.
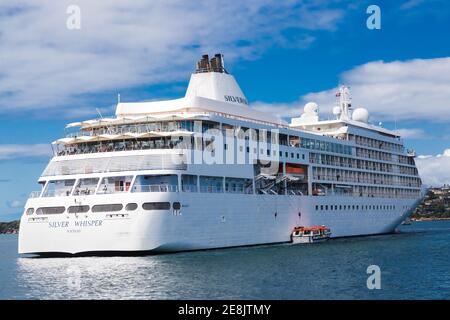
(283, 54)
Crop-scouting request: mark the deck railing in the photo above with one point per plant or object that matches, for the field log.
(155, 188)
(35, 194)
(189, 188)
(211, 189)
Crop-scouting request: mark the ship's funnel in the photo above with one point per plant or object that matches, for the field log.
(212, 81)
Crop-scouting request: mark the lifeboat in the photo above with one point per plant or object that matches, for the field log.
(310, 235)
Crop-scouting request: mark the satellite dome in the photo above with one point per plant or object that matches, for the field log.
(336, 111)
(311, 107)
(361, 115)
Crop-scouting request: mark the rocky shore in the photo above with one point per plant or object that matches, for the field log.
(435, 206)
(9, 227)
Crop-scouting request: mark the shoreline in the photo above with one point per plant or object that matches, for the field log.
(10, 227)
(429, 219)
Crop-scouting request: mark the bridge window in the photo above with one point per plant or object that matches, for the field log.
(238, 185)
(156, 183)
(86, 186)
(115, 184)
(211, 184)
(59, 188)
(189, 183)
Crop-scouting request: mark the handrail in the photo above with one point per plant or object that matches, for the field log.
(129, 146)
(155, 188)
(35, 194)
(57, 193)
(211, 189)
(189, 188)
(123, 130)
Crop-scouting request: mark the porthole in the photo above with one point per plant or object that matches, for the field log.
(176, 206)
(131, 206)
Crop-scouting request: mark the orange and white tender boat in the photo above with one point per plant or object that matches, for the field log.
(310, 235)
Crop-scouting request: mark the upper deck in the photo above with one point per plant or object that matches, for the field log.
(214, 101)
(214, 119)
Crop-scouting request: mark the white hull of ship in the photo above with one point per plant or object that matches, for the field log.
(205, 221)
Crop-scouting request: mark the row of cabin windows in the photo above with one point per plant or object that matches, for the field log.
(325, 146)
(307, 143)
(286, 154)
(147, 183)
(349, 162)
(242, 133)
(111, 207)
(336, 207)
(375, 143)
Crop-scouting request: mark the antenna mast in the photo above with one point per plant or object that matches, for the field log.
(344, 102)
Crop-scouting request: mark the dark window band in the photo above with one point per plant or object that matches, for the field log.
(156, 206)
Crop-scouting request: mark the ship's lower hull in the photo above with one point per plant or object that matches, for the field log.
(205, 221)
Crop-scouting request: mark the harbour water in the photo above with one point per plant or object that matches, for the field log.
(414, 264)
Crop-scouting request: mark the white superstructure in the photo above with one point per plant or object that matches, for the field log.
(208, 171)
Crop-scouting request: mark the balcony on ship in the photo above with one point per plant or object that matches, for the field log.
(127, 137)
(156, 183)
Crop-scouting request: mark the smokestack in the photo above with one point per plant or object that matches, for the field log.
(214, 65)
(203, 64)
(217, 63)
(219, 58)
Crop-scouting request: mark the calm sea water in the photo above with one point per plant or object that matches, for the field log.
(415, 264)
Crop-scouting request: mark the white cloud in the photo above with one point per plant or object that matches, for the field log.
(282, 110)
(123, 44)
(401, 90)
(411, 4)
(24, 151)
(412, 133)
(435, 170)
(15, 204)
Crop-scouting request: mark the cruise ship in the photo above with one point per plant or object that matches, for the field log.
(208, 171)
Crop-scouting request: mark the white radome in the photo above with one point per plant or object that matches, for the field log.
(311, 107)
(336, 111)
(361, 115)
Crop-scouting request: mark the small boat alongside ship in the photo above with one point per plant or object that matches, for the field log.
(310, 235)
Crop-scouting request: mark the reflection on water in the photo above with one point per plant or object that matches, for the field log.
(95, 277)
(414, 264)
